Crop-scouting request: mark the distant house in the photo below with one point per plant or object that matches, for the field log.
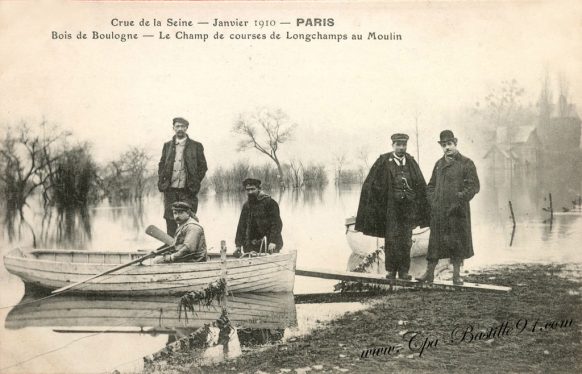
(541, 159)
(560, 133)
(514, 157)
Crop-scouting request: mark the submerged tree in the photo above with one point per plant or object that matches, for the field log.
(127, 177)
(28, 163)
(74, 181)
(265, 130)
(296, 173)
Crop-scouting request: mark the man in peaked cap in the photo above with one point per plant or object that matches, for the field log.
(392, 203)
(453, 184)
(180, 171)
(259, 220)
(189, 242)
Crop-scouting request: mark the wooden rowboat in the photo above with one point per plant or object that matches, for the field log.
(53, 269)
(152, 313)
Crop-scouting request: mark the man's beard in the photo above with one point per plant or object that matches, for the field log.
(252, 199)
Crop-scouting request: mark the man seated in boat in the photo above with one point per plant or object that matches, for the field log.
(189, 242)
(259, 226)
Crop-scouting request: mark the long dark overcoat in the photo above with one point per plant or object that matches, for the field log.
(264, 213)
(452, 185)
(194, 162)
(376, 208)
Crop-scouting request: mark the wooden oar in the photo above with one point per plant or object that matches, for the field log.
(155, 232)
(151, 230)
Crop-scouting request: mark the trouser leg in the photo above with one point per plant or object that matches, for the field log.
(457, 279)
(428, 275)
(188, 197)
(405, 242)
(194, 203)
(390, 254)
(171, 227)
(404, 237)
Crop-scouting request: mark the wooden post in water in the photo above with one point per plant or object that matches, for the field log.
(551, 208)
(512, 215)
(513, 219)
(223, 268)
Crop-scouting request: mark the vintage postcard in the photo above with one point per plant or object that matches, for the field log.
(290, 187)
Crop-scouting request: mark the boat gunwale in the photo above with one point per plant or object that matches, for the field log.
(272, 258)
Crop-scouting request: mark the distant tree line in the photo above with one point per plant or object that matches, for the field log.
(295, 175)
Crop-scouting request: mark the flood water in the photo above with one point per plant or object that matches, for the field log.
(82, 335)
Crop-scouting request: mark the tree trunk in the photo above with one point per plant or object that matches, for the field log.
(280, 171)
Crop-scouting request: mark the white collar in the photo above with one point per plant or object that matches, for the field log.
(181, 141)
(402, 160)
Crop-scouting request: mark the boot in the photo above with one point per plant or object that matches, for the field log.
(404, 276)
(428, 275)
(391, 275)
(457, 280)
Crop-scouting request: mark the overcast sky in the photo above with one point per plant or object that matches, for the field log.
(343, 96)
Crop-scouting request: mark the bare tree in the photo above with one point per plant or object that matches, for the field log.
(545, 100)
(296, 168)
(362, 156)
(127, 177)
(340, 160)
(364, 166)
(28, 163)
(136, 162)
(503, 103)
(265, 130)
(564, 107)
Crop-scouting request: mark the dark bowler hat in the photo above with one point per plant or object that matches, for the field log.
(399, 138)
(180, 120)
(252, 182)
(181, 206)
(447, 135)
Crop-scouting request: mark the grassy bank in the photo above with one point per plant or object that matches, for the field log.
(540, 292)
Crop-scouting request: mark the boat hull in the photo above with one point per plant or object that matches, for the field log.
(53, 269)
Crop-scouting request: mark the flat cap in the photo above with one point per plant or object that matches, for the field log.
(181, 206)
(252, 182)
(180, 120)
(399, 138)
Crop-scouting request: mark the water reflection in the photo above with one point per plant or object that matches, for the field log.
(207, 334)
(150, 314)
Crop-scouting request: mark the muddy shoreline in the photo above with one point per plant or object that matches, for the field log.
(535, 328)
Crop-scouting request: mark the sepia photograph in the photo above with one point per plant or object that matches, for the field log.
(290, 186)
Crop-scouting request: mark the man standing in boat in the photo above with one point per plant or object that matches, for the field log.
(259, 224)
(180, 171)
(392, 203)
(453, 184)
(189, 243)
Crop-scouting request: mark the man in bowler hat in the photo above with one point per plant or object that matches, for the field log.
(453, 184)
(392, 203)
(180, 171)
(260, 223)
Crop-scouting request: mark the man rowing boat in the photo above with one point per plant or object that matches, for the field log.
(189, 242)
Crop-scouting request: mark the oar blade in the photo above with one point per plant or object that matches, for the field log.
(155, 232)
